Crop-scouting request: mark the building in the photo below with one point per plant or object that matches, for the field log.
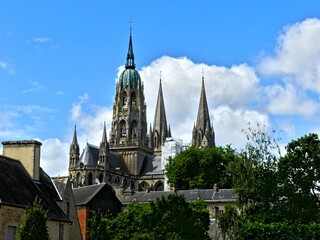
(22, 180)
(131, 160)
(67, 205)
(99, 198)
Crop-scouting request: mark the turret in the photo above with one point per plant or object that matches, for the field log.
(104, 149)
(74, 152)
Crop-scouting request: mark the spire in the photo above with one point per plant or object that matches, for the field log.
(75, 140)
(160, 119)
(202, 129)
(104, 134)
(203, 118)
(130, 56)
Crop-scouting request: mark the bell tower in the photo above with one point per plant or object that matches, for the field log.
(128, 134)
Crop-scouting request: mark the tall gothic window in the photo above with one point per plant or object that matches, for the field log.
(134, 130)
(123, 131)
(90, 179)
(124, 99)
(133, 99)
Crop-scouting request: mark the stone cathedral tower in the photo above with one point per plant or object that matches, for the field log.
(203, 132)
(128, 134)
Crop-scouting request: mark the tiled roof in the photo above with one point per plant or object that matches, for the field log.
(208, 195)
(17, 188)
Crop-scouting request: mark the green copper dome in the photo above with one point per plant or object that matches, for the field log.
(129, 78)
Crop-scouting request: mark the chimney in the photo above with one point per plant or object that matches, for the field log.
(216, 187)
(27, 152)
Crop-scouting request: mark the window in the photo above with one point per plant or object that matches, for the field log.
(124, 99)
(68, 208)
(61, 231)
(11, 232)
(133, 99)
(123, 131)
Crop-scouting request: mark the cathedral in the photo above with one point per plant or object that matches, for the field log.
(131, 160)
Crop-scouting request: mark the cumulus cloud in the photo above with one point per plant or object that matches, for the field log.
(235, 87)
(230, 125)
(54, 157)
(297, 55)
(89, 120)
(289, 100)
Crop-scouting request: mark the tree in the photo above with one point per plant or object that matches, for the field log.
(34, 225)
(199, 168)
(167, 218)
(299, 177)
(277, 196)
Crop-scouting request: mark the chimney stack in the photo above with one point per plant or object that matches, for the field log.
(27, 152)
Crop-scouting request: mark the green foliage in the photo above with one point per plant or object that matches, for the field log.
(167, 218)
(279, 231)
(277, 196)
(197, 168)
(34, 225)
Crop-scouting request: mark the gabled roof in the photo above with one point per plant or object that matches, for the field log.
(60, 183)
(17, 188)
(89, 156)
(83, 195)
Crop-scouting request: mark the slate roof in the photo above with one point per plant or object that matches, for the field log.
(17, 188)
(89, 156)
(152, 165)
(83, 195)
(208, 195)
(60, 183)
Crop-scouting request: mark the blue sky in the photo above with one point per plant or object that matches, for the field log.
(59, 61)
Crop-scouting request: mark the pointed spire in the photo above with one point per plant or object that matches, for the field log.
(104, 134)
(75, 140)
(203, 120)
(160, 119)
(130, 56)
(169, 131)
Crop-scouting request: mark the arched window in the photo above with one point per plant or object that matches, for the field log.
(124, 99)
(144, 186)
(134, 130)
(133, 99)
(90, 179)
(123, 130)
(159, 186)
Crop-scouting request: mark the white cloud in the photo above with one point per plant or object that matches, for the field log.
(54, 157)
(41, 39)
(235, 87)
(297, 55)
(7, 67)
(89, 120)
(289, 100)
(32, 115)
(35, 87)
(229, 125)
